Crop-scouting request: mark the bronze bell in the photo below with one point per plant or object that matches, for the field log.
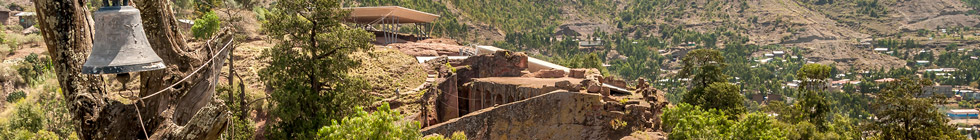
(119, 44)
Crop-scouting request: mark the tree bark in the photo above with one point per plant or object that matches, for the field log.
(66, 28)
(187, 111)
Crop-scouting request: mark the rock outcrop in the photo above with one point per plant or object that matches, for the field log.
(429, 47)
(500, 64)
(450, 96)
(487, 92)
(495, 97)
(570, 116)
(551, 73)
(555, 115)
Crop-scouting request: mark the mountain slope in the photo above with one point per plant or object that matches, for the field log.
(821, 28)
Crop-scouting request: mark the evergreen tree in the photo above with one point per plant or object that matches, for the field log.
(309, 66)
(709, 88)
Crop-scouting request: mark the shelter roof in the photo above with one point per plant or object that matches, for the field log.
(388, 15)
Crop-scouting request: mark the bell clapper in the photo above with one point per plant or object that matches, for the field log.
(124, 78)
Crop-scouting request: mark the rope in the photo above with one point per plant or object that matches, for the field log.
(138, 113)
(192, 73)
(464, 98)
(471, 109)
(141, 119)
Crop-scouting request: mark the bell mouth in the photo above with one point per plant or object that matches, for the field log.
(116, 8)
(123, 68)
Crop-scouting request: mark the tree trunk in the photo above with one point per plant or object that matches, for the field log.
(187, 111)
(66, 28)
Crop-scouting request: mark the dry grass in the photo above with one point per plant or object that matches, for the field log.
(387, 70)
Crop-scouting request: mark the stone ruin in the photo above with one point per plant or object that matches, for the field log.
(496, 97)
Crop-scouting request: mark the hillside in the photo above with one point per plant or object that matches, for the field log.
(496, 69)
(817, 26)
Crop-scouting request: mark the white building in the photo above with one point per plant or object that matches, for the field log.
(957, 114)
(778, 53)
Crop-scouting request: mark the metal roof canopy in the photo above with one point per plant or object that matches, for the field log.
(388, 15)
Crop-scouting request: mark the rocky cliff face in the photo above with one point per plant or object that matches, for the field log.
(494, 97)
(500, 64)
(558, 115)
(487, 92)
(555, 115)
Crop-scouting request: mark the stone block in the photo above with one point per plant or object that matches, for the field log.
(593, 88)
(604, 91)
(566, 85)
(577, 73)
(550, 73)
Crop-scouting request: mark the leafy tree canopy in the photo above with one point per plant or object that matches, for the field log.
(813, 74)
(900, 114)
(704, 66)
(724, 97)
(205, 26)
(686, 121)
(381, 124)
(709, 88)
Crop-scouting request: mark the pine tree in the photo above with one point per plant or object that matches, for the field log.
(309, 66)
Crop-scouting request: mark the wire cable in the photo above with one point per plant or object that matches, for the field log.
(192, 73)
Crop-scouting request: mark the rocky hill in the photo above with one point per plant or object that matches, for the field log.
(820, 27)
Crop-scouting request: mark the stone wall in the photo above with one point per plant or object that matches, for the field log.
(446, 104)
(557, 115)
(487, 92)
(495, 97)
(500, 64)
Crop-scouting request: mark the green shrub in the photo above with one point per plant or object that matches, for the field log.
(15, 28)
(29, 122)
(9, 41)
(32, 68)
(686, 121)
(184, 4)
(42, 116)
(206, 25)
(451, 68)
(32, 38)
(8, 73)
(241, 130)
(4, 51)
(16, 95)
(456, 136)
(28, 116)
(260, 13)
(380, 125)
(3, 35)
